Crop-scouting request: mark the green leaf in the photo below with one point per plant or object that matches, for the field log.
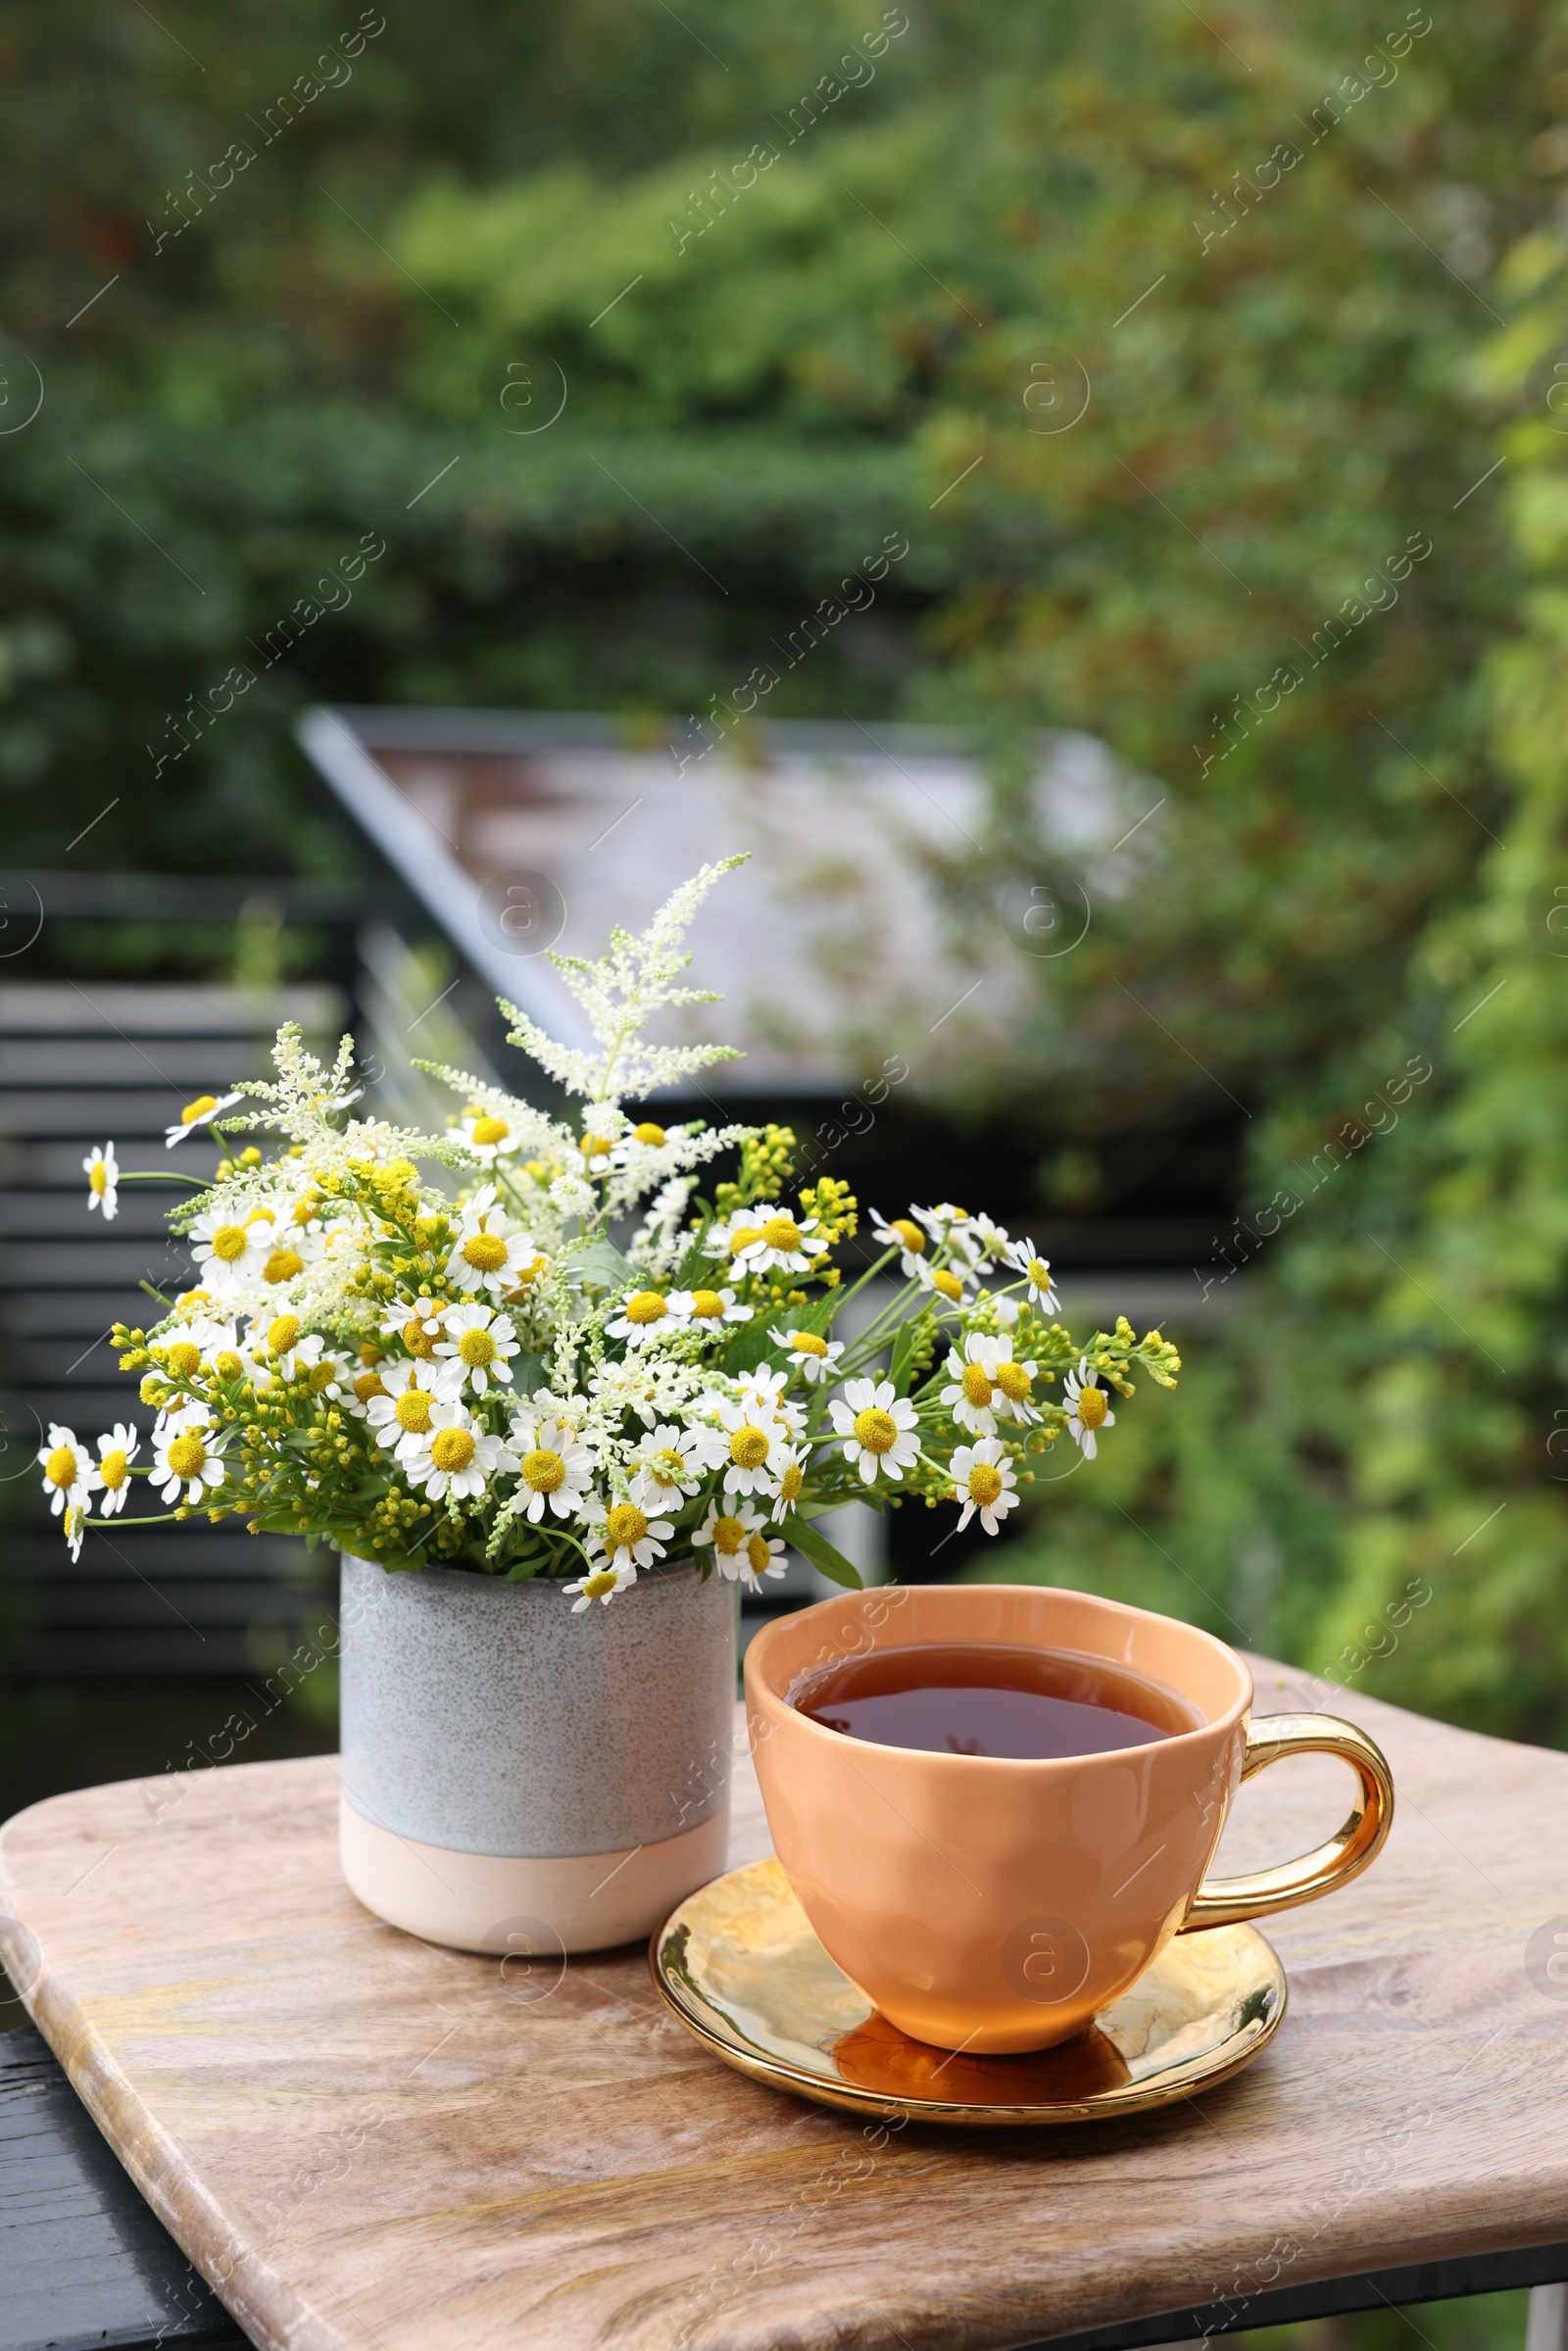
(903, 1348)
(821, 1553)
(601, 1264)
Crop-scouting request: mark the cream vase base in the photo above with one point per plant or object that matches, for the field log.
(494, 1902)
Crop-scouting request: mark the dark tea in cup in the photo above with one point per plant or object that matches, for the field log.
(970, 1698)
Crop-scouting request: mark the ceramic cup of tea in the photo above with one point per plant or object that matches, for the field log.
(997, 1803)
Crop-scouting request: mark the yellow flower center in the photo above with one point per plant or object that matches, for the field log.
(1013, 1381)
(791, 1483)
(228, 1242)
(98, 1177)
(490, 1130)
(282, 1265)
(186, 1455)
(1093, 1406)
(61, 1467)
(542, 1470)
(182, 1357)
(707, 1305)
(453, 1449)
(909, 1233)
(486, 1252)
(976, 1384)
(369, 1384)
(281, 1333)
(742, 1238)
(115, 1469)
(594, 1147)
(418, 1340)
(370, 1352)
(806, 1343)
(320, 1376)
(948, 1284)
(596, 1586)
(748, 1448)
(525, 1275)
(782, 1232)
(625, 1526)
(476, 1347)
(728, 1536)
(645, 1306)
(877, 1430)
(413, 1411)
(649, 1133)
(229, 1364)
(667, 1466)
(985, 1484)
(304, 1209)
(758, 1552)
(1040, 1273)
(198, 1108)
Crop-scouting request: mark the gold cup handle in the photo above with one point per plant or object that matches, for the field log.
(1223, 1901)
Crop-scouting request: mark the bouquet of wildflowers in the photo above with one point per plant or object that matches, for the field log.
(566, 1361)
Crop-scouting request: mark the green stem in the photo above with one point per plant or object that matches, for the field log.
(163, 1175)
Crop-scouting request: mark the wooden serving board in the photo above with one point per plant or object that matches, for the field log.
(367, 2141)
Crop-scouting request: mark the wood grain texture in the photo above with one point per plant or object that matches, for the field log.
(363, 2140)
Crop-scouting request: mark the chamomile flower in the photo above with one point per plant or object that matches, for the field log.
(489, 1136)
(755, 1441)
(595, 1153)
(942, 1220)
(730, 1236)
(115, 1454)
(761, 1390)
(199, 1113)
(985, 1382)
(782, 1244)
(1021, 1255)
(950, 1283)
(69, 1475)
(706, 1309)
(669, 1465)
(1088, 1408)
(789, 1461)
(490, 1253)
(878, 1427)
(453, 1456)
(553, 1466)
(482, 1340)
(602, 1585)
(400, 1414)
(813, 1356)
(904, 1235)
(644, 1315)
(232, 1251)
(986, 1480)
(418, 1322)
(626, 1536)
(186, 1454)
(978, 1240)
(742, 1550)
(74, 1526)
(102, 1171)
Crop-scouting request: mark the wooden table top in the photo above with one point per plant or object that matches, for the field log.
(363, 2140)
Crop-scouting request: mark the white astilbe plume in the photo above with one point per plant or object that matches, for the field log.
(683, 1148)
(659, 1244)
(301, 1102)
(618, 992)
(541, 1135)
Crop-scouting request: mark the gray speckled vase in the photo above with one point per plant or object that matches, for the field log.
(518, 1777)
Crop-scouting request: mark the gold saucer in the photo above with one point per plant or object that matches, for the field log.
(740, 1968)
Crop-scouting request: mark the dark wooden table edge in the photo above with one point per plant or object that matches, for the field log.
(1328, 2297)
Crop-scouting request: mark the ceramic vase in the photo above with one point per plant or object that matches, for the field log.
(520, 1777)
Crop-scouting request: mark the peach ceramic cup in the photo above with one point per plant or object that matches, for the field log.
(994, 1905)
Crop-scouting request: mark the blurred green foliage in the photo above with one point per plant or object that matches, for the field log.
(809, 275)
